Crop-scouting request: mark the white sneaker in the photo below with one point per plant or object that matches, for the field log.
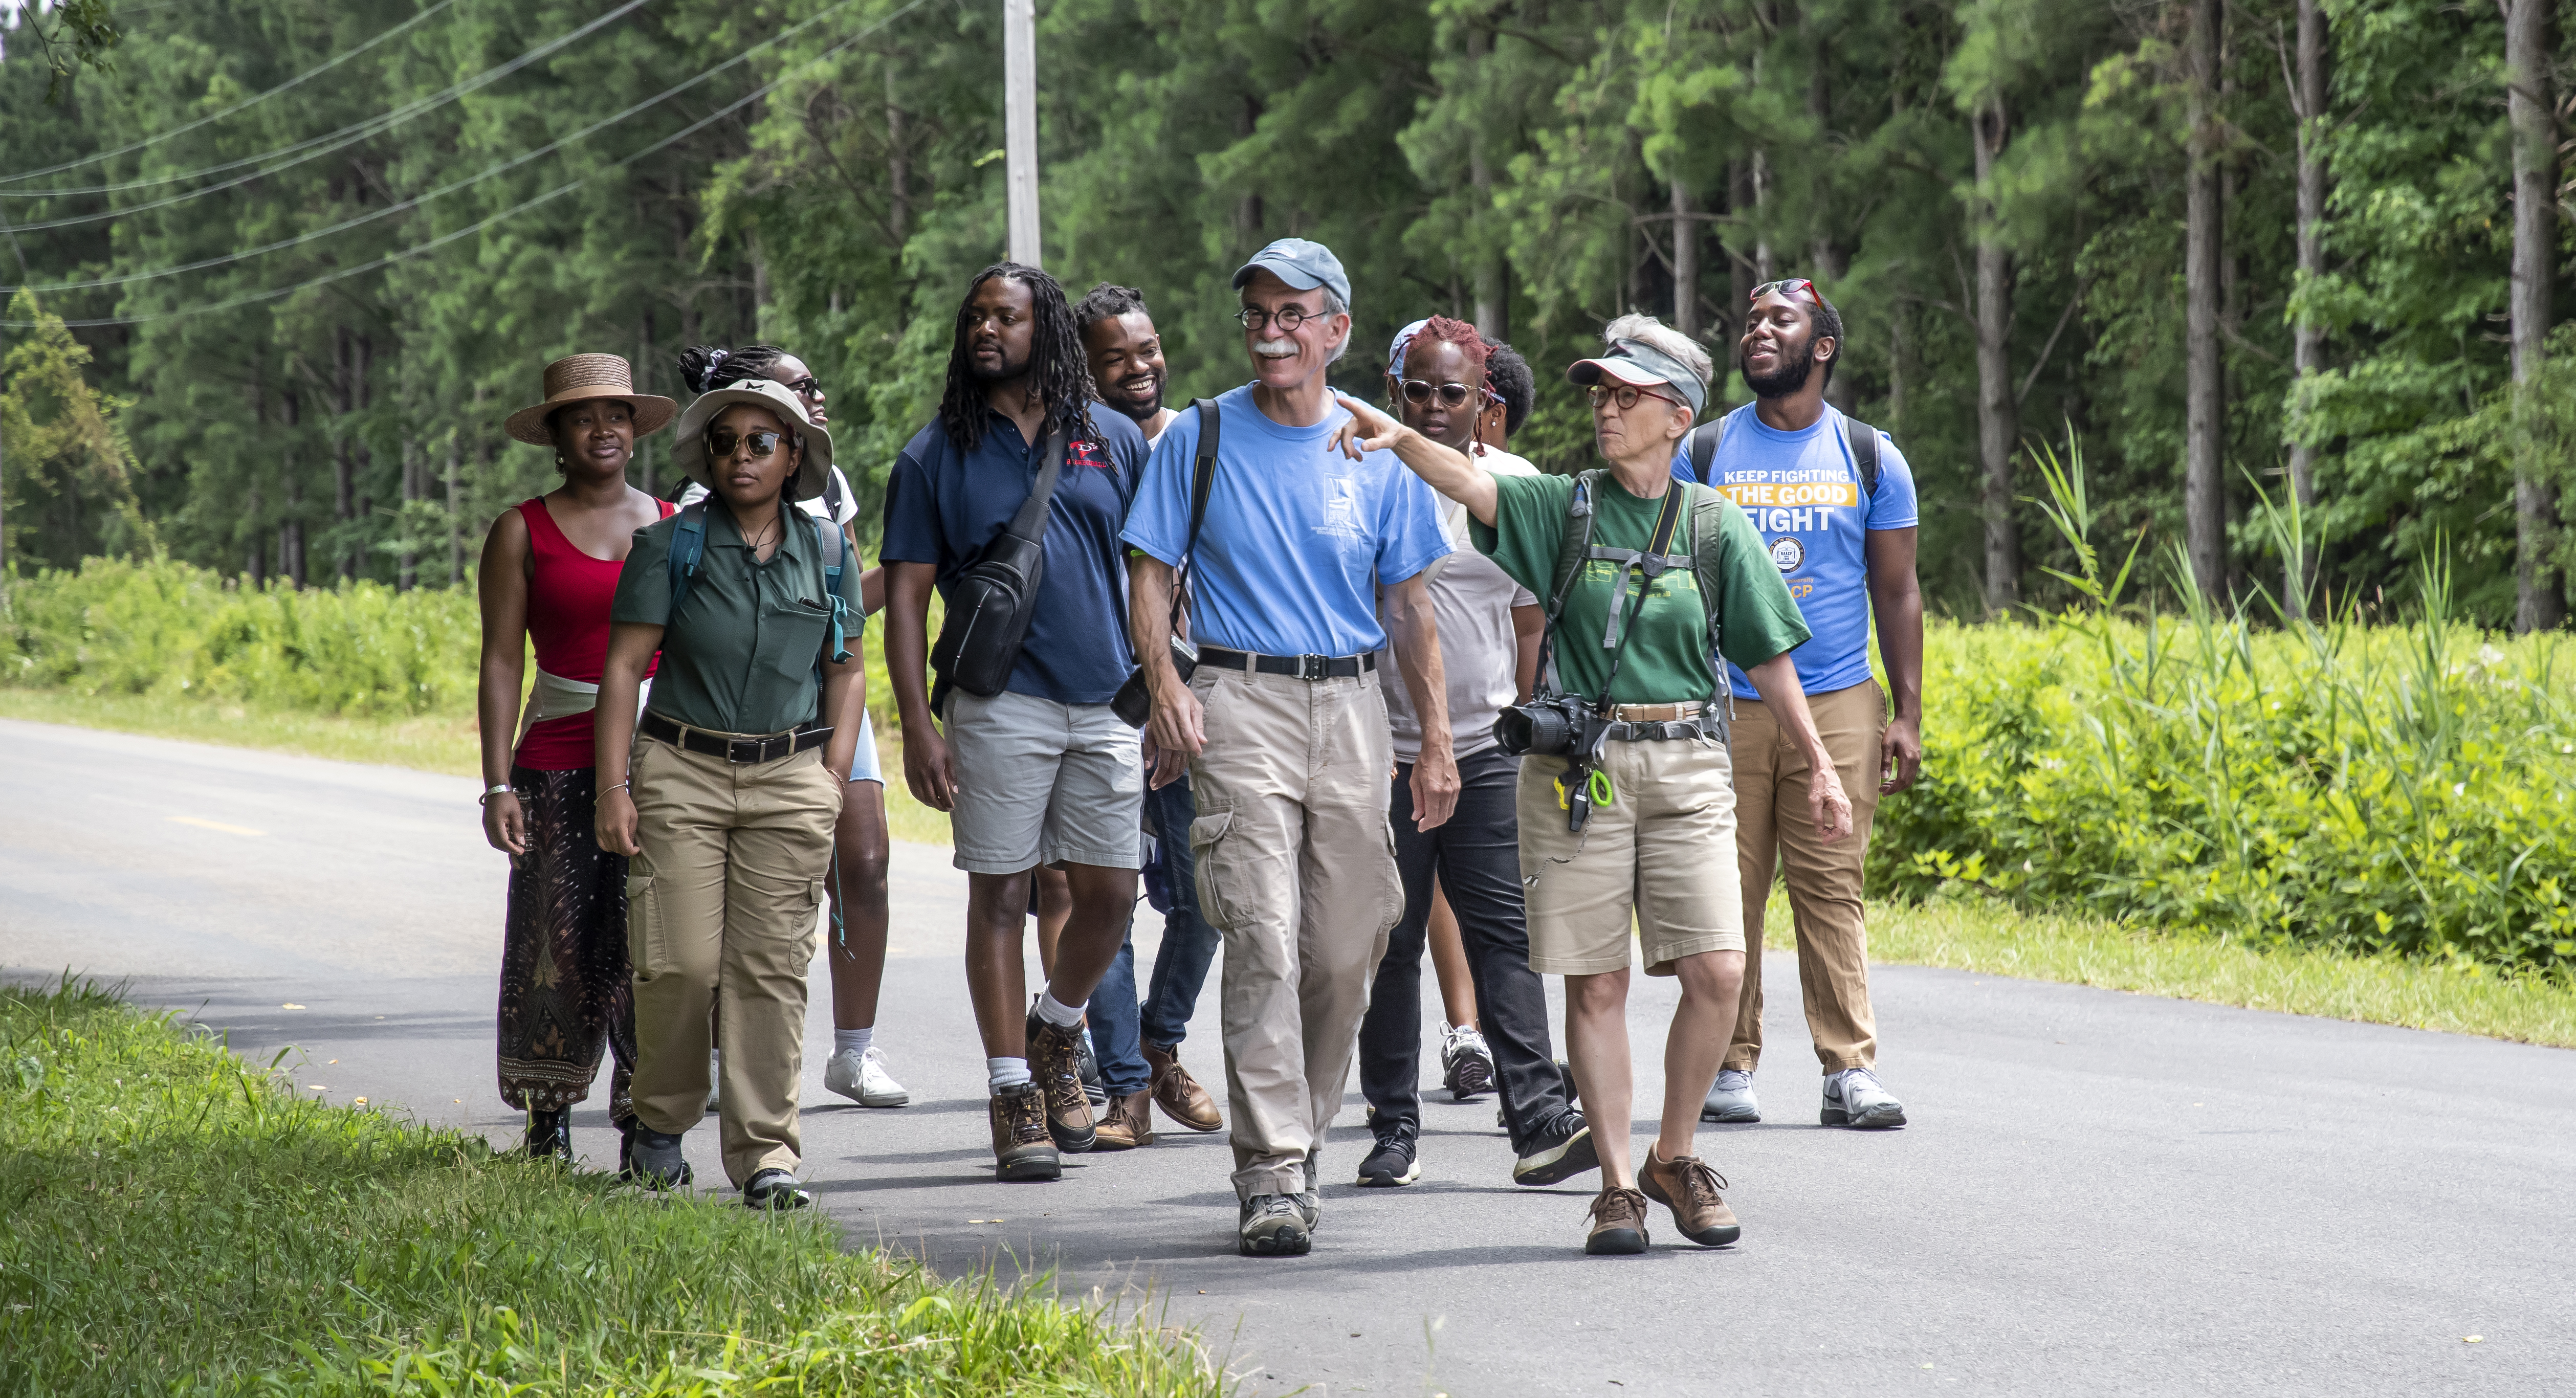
(715, 1075)
(1854, 1098)
(1466, 1064)
(862, 1077)
(1732, 1099)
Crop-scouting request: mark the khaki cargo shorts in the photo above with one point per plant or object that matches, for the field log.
(1660, 856)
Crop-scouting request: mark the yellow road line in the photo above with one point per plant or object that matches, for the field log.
(214, 825)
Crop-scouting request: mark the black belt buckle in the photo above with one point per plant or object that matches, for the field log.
(1314, 667)
(758, 748)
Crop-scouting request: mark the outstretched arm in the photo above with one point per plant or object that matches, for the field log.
(1444, 470)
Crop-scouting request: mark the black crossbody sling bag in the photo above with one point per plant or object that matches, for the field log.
(990, 605)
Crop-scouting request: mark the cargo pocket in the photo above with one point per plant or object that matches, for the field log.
(1225, 892)
(648, 943)
(1393, 898)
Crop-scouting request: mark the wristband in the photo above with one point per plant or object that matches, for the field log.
(502, 788)
(621, 786)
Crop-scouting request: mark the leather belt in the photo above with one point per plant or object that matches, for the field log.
(739, 751)
(1301, 667)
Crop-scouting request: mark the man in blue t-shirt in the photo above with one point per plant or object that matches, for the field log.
(1283, 725)
(1042, 772)
(1835, 501)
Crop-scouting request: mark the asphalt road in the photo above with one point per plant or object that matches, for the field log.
(2103, 1193)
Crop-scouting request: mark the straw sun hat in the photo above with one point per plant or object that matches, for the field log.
(583, 378)
(689, 452)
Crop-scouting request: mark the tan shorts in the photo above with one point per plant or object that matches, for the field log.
(1660, 857)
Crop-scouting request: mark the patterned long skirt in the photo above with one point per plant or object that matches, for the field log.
(565, 989)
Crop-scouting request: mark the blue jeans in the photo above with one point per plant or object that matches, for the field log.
(1112, 1013)
(1189, 944)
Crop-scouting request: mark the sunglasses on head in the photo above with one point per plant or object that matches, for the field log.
(1787, 286)
(722, 440)
(1451, 395)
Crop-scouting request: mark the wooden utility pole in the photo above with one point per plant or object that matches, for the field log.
(2308, 336)
(2204, 421)
(2538, 604)
(1020, 125)
(1998, 415)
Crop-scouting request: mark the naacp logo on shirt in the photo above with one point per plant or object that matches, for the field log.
(1787, 553)
(1087, 453)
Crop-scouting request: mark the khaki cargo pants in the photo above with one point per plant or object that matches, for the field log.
(1773, 829)
(1296, 867)
(721, 909)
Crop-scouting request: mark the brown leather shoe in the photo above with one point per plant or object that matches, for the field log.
(1055, 1060)
(1179, 1094)
(1618, 1224)
(1689, 1188)
(1022, 1150)
(1129, 1124)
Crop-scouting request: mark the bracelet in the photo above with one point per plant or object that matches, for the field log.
(621, 786)
(500, 789)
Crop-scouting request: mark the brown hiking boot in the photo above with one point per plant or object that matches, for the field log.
(1179, 1094)
(1689, 1188)
(1055, 1060)
(1618, 1223)
(1022, 1150)
(1130, 1123)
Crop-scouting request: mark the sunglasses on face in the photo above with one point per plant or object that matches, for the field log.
(1791, 286)
(807, 387)
(1626, 395)
(1451, 395)
(722, 440)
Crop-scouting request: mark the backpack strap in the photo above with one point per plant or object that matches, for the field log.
(1575, 544)
(1202, 484)
(1654, 561)
(1708, 558)
(1704, 442)
(1863, 441)
(830, 547)
(688, 545)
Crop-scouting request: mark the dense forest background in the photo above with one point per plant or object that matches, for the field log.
(308, 255)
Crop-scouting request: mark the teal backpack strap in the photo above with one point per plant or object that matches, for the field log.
(1708, 555)
(830, 546)
(688, 545)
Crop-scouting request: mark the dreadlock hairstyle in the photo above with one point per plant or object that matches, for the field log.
(1104, 300)
(1060, 370)
(1508, 375)
(705, 367)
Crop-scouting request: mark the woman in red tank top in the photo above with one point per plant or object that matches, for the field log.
(548, 573)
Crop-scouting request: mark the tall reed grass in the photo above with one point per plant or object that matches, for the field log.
(2320, 782)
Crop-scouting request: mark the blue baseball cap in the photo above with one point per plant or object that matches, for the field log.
(1403, 339)
(1302, 263)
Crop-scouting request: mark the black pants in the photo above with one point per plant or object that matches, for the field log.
(1477, 856)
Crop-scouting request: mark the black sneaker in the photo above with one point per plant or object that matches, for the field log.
(550, 1135)
(776, 1190)
(656, 1160)
(1272, 1226)
(1560, 1152)
(1394, 1162)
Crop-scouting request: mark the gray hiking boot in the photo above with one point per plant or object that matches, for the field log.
(1272, 1226)
(1854, 1098)
(1731, 1100)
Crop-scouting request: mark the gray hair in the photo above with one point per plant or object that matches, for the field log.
(1647, 330)
(1333, 307)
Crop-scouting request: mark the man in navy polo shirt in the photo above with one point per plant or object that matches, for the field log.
(1044, 772)
(1284, 726)
(1842, 535)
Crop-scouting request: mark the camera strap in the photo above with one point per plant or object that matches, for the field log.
(1577, 552)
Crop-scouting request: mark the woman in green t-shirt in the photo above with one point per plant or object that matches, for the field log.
(1658, 847)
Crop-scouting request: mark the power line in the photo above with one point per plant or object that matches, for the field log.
(443, 239)
(416, 201)
(328, 142)
(242, 105)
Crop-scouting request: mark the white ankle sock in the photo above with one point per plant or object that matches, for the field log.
(1007, 1072)
(1058, 1013)
(853, 1040)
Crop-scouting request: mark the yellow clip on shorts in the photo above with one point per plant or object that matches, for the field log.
(1660, 856)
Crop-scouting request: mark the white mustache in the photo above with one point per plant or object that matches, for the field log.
(1280, 347)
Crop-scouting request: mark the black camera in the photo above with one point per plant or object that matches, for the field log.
(1550, 725)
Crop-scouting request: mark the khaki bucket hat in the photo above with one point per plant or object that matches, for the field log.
(689, 453)
(583, 378)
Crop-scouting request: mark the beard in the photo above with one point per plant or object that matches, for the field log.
(1011, 369)
(1140, 406)
(1796, 363)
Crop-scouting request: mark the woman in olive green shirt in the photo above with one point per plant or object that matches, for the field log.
(1658, 850)
(728, 802)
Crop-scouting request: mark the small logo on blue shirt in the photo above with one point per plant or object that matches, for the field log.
(1787, 553)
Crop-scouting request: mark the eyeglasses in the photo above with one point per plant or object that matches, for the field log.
(1451, 395)
(808, 387)
(1790, 286)
(1626, 396)
(722, 440)
(1252, 318)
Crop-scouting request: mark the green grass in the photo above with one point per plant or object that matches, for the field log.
(1974, 934)
(178, 1222)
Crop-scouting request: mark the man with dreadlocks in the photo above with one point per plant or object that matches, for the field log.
(1042, 772)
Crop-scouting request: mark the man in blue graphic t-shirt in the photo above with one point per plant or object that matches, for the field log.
(1834, 500)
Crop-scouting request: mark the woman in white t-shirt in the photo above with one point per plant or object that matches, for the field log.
(858, 880)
